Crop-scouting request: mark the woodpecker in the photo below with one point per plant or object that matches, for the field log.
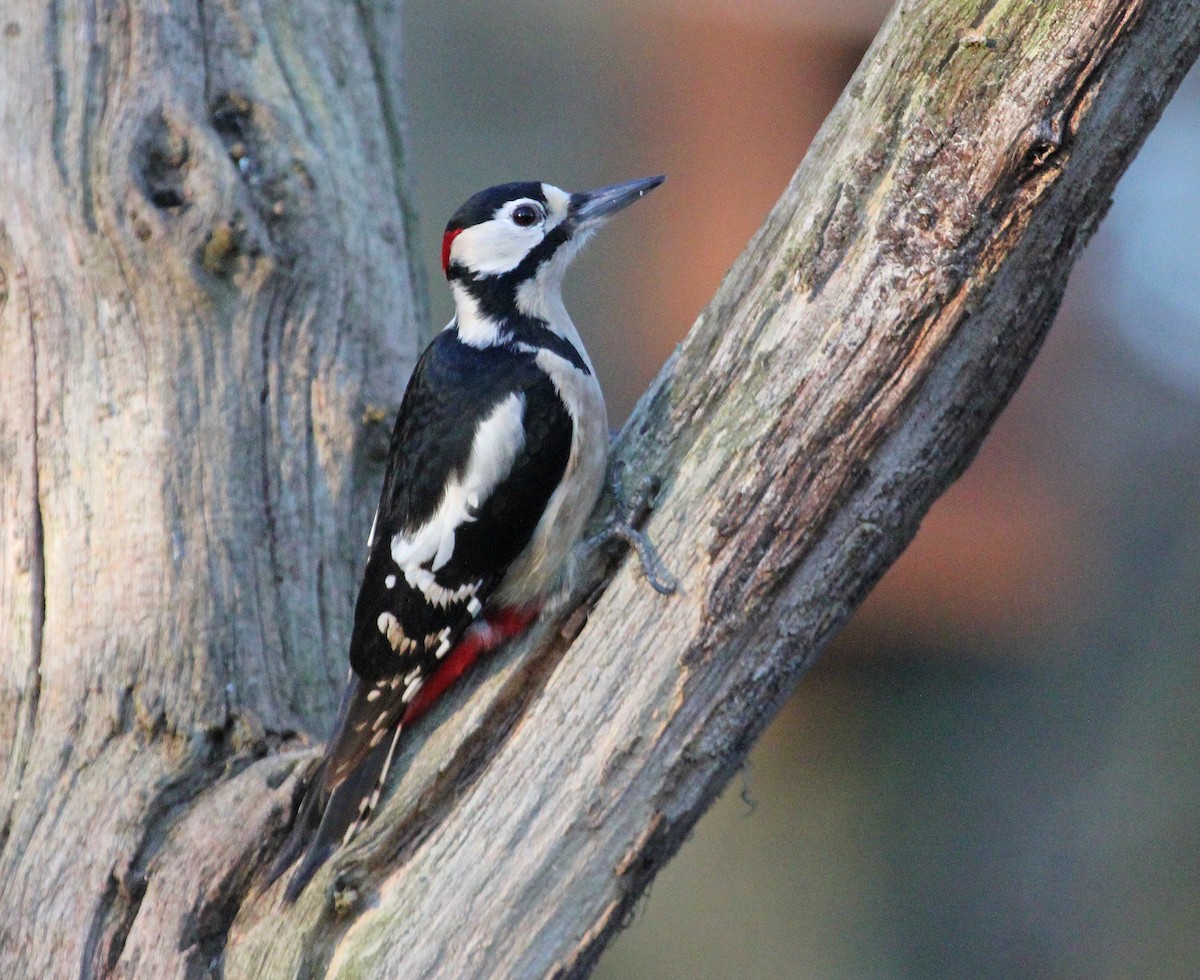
(496, 461)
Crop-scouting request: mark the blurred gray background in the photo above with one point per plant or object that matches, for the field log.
(995, 772)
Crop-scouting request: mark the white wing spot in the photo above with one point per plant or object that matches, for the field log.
(390, 581)
(473, 606)
(425, 582)
(373, 694)
(411, 676)
(420, 552)
(390, 627)
(368, 803)
(410, 692)
(443, 649)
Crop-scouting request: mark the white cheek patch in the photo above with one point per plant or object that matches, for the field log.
(421, 552)
(495, 246)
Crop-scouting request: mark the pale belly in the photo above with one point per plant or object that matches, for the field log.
(543, 570)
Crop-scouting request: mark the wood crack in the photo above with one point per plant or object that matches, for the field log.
(58, 116)
(122, 900)
(390, 111)
(265, 409)
(37, 579)
(95, 104)
(206, 83)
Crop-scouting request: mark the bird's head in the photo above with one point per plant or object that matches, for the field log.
(506, 249)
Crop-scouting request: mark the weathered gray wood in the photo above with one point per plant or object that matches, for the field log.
(205, 286)
(844, 374)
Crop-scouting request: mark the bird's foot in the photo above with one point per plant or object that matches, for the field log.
(623, 527)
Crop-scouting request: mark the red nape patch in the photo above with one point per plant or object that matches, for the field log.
(447, 241)
(498, 626)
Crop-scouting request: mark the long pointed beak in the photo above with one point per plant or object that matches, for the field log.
(591, 206)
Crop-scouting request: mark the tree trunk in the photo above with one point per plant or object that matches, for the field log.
(208, 317)
(206, 282)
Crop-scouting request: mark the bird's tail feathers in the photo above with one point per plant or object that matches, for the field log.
(341, 793)
(348, 807)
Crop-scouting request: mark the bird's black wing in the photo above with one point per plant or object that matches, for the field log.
(485, 424)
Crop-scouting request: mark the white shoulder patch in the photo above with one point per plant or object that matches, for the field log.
(424, 550)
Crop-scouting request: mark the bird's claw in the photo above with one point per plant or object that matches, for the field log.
(622, 528)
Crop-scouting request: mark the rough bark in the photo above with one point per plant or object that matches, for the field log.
(206, 288)
(165, 624)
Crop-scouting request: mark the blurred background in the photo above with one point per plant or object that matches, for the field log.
(995, 771)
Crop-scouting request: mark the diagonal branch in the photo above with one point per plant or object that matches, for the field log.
(842, 377)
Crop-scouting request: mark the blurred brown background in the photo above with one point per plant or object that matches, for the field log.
(995, 772)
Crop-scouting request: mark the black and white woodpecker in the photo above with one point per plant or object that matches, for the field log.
(496, 462)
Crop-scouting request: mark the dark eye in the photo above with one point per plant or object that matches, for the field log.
(525, 215)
